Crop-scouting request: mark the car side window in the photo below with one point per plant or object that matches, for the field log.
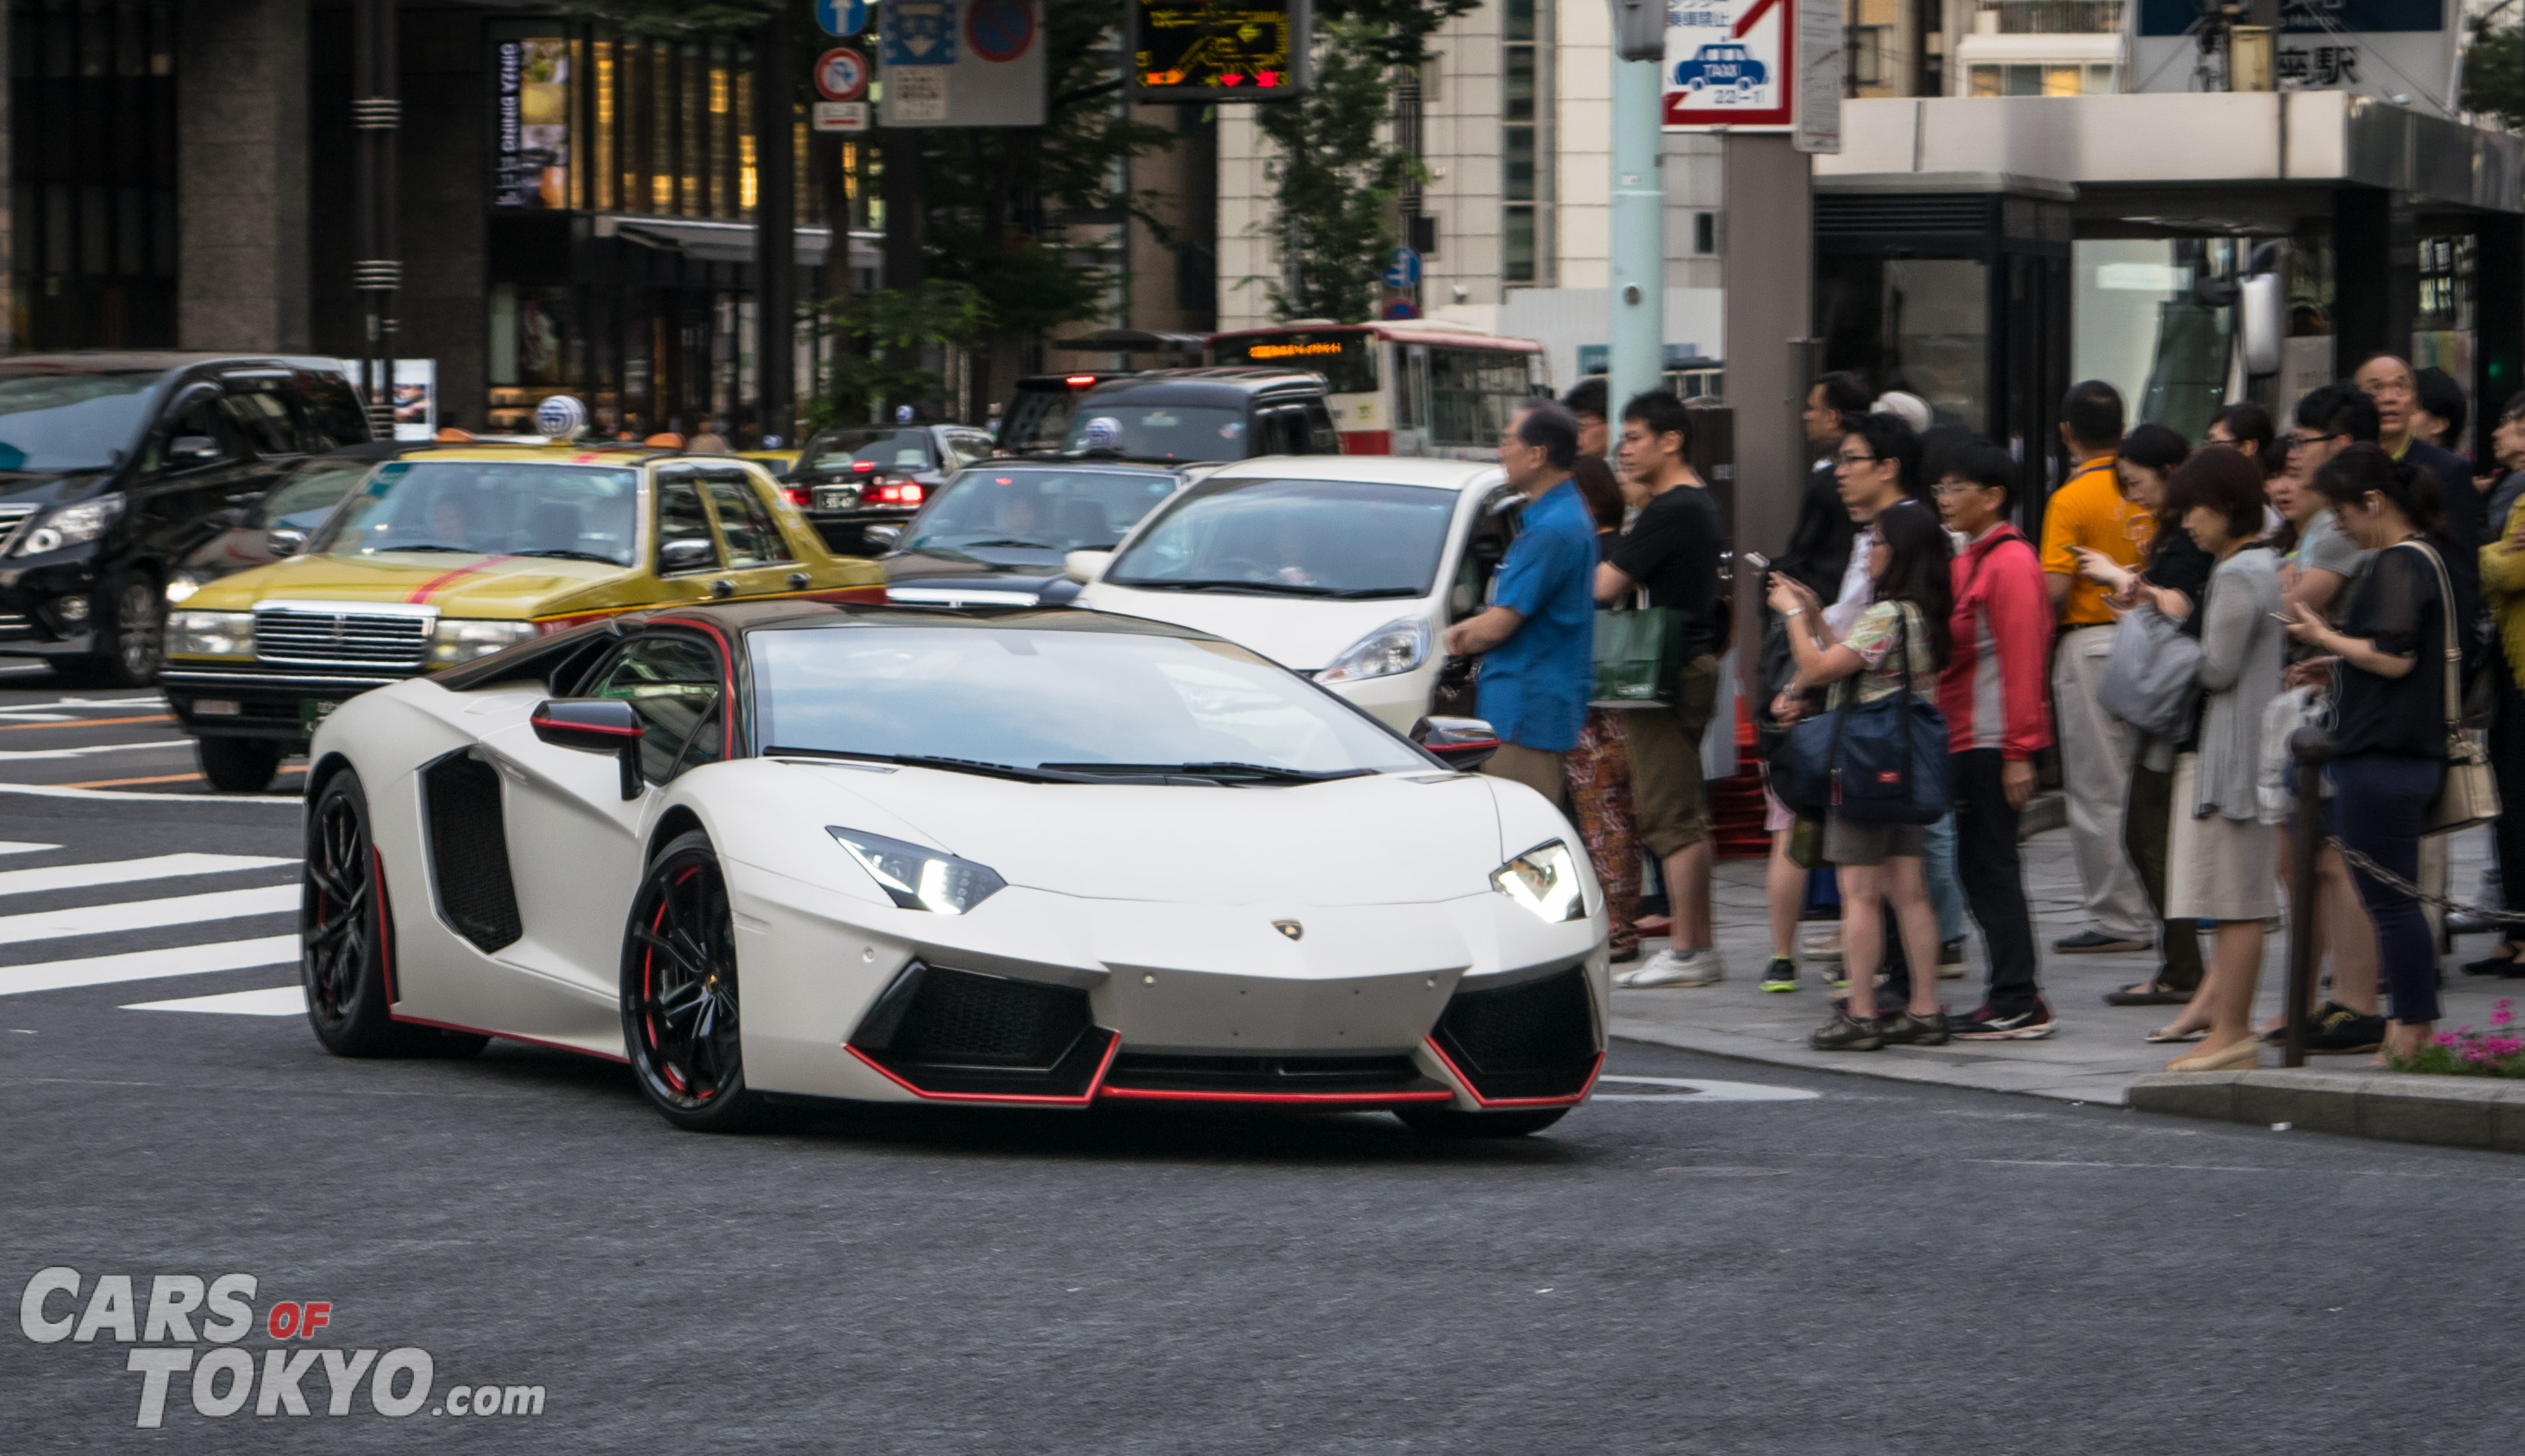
(329, 413)
(969, 446)
(204, 428)
(745, 523)
(674, 687)
(1484, 549)
(684, 539)
(1321, 437)
(264, 415)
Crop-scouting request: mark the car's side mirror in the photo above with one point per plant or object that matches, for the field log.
(687, 555)
(1083, 566)
(192, 447)
(1460, 743)
(882, 538)
(284, 540)
(594, 725)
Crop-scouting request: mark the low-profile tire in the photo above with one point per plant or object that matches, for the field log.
(131, 617)
(679, 993)
(1447, 1122)
(346, 934)
(239, 766)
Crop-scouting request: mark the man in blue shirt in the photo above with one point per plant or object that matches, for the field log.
(1537, 639)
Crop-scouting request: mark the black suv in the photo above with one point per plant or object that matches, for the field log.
(1224, 412)
(116, 466)
(996, 534)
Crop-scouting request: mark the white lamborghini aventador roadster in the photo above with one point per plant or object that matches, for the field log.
(1035, 858)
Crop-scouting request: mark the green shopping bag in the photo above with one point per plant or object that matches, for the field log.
(1639, 658)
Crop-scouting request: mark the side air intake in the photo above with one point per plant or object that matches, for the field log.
(1531, 1041)
(962, 1033)
(468, 851)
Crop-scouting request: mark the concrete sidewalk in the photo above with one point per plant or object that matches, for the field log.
(2099, 1050)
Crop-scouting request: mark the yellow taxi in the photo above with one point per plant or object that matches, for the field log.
(446, 555)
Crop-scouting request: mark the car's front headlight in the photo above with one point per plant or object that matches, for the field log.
(210, 633)
(1545, 880)
(73, 525)
(915, 877)
(1399, 647)
(461, 640)
(182, 585)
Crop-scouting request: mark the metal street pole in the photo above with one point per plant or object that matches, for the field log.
(377, 273)
(775, 227)
(1637, 333)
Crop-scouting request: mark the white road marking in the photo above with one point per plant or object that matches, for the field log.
(123, 872)
(1697, 1090)
(62, 792)
(37, 715)
(149, 965)
(22, 846)
(153, 700)
(145, 915)
(276, 1000)
(20, 755)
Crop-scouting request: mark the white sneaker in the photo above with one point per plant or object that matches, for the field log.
(1819, 941)
(1665, 968)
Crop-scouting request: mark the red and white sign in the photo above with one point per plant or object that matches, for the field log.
(1731, 64)
(999, 31)
(842, 75)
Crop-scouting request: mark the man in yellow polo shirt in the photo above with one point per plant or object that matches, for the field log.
(2096, 748)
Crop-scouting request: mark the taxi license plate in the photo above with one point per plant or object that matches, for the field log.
(313, 711)
(836, 497)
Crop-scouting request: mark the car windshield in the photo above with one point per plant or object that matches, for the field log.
(490, 508)
(311, 491)
(1160, 432)
(1049, 510)
(70, 422)
(1345, 538)
(886, 449)
(1071, 699)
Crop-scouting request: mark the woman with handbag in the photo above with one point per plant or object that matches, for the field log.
(2219, 861)
(2395, 717)
(1899, 645)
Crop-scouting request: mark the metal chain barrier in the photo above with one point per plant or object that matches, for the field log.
(2392, 880)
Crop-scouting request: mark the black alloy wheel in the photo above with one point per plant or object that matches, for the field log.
(679, 992)
(346, 936)
(1447, 1122)
(129, 622)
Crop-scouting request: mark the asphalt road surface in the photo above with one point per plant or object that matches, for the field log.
(1733, 1259)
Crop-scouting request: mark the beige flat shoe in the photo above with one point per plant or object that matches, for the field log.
(2244, 1052)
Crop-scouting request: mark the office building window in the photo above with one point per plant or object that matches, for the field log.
(2043, 78)
(1525, 142)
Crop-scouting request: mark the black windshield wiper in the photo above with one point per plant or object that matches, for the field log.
(427, 546)
(981, 767)
(1223, 771)
(1259, 588)
(567, 555)
(1027, 546)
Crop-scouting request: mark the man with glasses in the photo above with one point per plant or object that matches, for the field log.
(2089, 511)
(2329, 420)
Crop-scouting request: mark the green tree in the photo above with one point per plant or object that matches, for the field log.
(2493, 74)
(887, 331)
(1334, 178)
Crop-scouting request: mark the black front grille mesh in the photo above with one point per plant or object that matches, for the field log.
(1168, 1072)
(1533, 1040)
(964, 1033)
(468, 851)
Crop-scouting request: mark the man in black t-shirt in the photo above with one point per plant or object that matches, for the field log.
(1818, 551)
(1671, 552)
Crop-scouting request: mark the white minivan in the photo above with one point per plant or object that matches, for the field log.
(1346, 568)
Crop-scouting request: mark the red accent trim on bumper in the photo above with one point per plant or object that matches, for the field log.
(1466, 1083)
(1279, 1099)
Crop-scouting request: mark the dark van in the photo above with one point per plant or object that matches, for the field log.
(1224, 411)
(116, 466)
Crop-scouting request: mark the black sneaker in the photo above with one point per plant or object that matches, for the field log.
(2339, 1031)
(1986, 1024)
(2097, 942)
(1845, 1034)
(1908, 1030)
(1950, 961)
(1781, 975)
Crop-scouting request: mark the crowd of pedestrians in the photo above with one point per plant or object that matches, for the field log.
(2184, 609)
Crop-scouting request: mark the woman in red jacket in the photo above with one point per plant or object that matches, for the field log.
(1996, 717)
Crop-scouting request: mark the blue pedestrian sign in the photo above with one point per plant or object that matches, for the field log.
(1402, 270)
(916, 33)
(844, 17)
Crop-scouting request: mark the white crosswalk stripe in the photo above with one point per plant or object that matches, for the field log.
(145, 915)
(23, 846)
(149, 965)
(278, 1000)
(124, 871)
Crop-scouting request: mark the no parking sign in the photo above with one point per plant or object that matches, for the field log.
(841, 75)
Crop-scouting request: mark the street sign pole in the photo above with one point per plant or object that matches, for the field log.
(1637, 332)
(776, 230)
(376, 272)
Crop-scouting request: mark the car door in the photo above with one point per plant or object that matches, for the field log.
(684, 549)
(195, 468)
(577, 845)
(1486, 536)
(759, 560)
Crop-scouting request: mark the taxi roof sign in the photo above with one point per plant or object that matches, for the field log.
(1220, 50)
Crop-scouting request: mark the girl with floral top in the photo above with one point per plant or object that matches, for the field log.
(1880, 863)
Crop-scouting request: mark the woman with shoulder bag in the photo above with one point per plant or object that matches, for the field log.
(1902, 634)
(2219, 861)
(2391, 711)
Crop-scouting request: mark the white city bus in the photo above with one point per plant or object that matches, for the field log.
(1402, 387)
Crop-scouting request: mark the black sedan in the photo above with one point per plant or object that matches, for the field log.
(996, 534)
(848, 479)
